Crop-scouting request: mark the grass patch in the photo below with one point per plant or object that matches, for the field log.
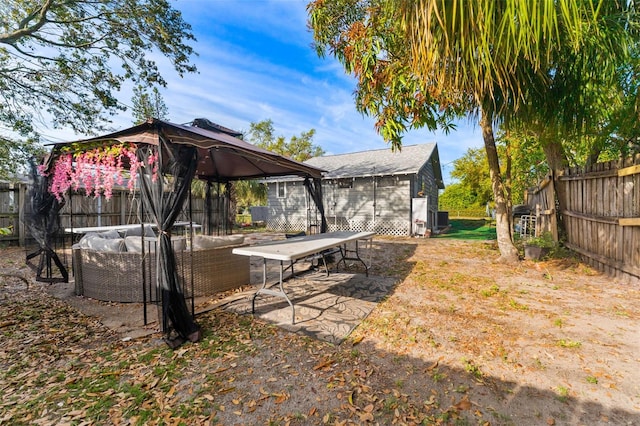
(564, 343)
(471, 368)
(491, 291)
(562, 394)
(592, 380)
(469, 229)
(517, 305)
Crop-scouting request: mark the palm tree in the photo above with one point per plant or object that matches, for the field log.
(419, 60)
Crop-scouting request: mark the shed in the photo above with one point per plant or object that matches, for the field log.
(379, 190)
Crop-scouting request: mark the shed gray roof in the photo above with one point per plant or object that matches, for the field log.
(379, 162)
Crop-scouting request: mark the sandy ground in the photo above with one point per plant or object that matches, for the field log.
(550, 342)
(462, 339)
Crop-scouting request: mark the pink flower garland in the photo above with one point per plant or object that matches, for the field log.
(96, 170)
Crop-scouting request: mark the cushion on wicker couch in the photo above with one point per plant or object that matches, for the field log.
(119, 277)
(210, 241)
(137, 232)
(134, 244)
(102, 242)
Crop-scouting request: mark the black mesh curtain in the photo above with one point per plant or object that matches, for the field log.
(179, 162)
(42, 220)
(208, 214)
(315, 190)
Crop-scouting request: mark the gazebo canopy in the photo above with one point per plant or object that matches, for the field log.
(221, 157)
(185, 153)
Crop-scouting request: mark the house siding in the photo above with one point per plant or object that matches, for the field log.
(368, 205)
(354, 200)
(288, 214)
(346, 208)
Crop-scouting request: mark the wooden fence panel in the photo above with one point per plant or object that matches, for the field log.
(10, 197)
(542, 203)
(602, 215)
(80, 210)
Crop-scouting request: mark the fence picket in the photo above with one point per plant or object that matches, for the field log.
(602, 216)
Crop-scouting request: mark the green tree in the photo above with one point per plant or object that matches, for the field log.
(417, 62)
(299, 148)
(147, 105)
(472, 188)
(472, 171)
(524, 162)
(456, 196)
(250, 193)
(15, 154)
(63, 62)
(262, 134)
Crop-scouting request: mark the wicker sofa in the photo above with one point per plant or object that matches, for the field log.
(113, 270)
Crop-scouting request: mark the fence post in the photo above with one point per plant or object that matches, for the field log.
(22, 230)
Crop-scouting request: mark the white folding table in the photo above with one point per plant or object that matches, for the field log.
(293, 249)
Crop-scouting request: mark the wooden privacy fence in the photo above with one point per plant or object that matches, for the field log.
(11, 196)
(542, 203)
(602, 215)
(82, 211)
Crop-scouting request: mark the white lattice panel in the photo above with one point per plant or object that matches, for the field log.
(277, 225)
(382, 227)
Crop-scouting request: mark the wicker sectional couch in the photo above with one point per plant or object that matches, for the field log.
(115, 272)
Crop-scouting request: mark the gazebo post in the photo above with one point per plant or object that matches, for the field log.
(190, 239)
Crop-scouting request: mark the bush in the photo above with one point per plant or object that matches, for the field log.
(544, 241)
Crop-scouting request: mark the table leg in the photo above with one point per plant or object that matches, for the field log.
(277, 293)
(344, 256)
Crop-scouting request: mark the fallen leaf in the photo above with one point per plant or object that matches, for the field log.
(357, 340)
(463, 404)
(171, 392)
(366, 417)
(281, 397)
(432, 366)
(324, 363)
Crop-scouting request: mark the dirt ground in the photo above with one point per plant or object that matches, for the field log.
(461, 340)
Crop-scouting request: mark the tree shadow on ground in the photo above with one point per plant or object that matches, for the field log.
(430, 391)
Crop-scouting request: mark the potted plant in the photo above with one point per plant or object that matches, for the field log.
(538, 247)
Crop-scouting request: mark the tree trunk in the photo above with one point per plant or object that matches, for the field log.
(557, 161)
(508, 251)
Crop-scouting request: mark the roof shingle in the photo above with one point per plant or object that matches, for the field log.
(376, 162)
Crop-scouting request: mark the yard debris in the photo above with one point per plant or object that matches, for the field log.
(60, 366)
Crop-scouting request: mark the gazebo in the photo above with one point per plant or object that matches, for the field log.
(157, 149)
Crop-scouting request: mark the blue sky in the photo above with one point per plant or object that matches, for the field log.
(256, 62)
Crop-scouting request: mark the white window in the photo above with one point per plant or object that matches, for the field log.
(281, 189)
